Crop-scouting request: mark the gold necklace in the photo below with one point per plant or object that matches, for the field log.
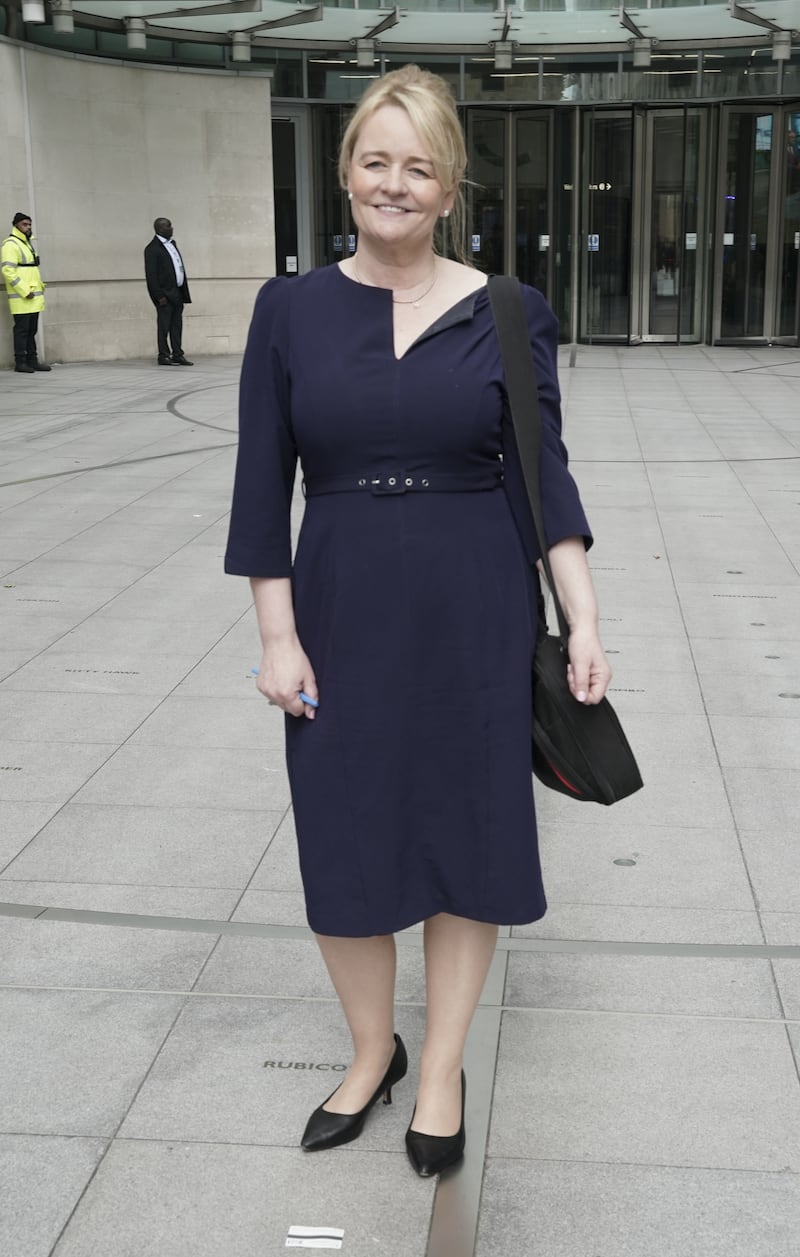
(401, 301)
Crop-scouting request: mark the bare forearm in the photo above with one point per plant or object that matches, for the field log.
(285, 671)
(588, 673)
(272, 597)
(573, 583)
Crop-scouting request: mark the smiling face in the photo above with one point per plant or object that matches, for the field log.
(396, 197)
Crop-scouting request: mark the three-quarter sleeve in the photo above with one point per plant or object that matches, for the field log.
(561, 505)
(259, 539)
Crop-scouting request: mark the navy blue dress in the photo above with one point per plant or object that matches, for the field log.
(414, 596)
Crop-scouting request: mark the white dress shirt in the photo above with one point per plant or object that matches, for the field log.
(177, 261)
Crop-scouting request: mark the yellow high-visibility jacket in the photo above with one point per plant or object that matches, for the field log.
(20, 267)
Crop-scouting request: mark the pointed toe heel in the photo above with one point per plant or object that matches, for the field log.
(330, 1130)
(431, 1154)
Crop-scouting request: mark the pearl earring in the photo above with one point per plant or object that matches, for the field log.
(349, 196)
(445, 213)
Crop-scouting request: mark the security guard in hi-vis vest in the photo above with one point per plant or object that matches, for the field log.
(25, 287)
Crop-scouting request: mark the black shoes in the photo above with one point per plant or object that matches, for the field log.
(181, 362)
(164, 362)
(430, 1154)
(35, 365)
(329, 1130)
(24, 369)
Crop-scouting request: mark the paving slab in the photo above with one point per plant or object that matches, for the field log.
(200, 1200)
(711, 1093)
(192, 777)
(48, 772)
(620, 923)
(271, 907)
(57, 1074)
(21, 823)
(55, 670)
(245, 722)
(761, 741)
(41, 1180)
(765, 799)
(673, 866)
(73, 717)
(280, 868)
(65, 954)
(125, 636)
(157, 901)
(290, 967)
(164, 846)
(251, 1071)
(644, 984)
(770, 657)
(562, 1209)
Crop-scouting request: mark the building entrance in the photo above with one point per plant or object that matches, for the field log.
(639, 215)
(677, 224)
(758, 226)
(645, 207)
(620, 218)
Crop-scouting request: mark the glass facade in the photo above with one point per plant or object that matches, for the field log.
(650, 192)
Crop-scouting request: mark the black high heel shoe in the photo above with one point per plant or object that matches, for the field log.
(329, 1130)
(430, 1154)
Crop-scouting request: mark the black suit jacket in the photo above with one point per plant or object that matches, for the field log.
(160, 275)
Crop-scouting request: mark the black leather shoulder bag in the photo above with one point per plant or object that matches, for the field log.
(578, 750)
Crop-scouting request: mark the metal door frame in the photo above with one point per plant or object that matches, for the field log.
(510, 115)
(775, 108)
(644, 164)
(528, 114)
(783, 111)
(586, 161)
(299, 115)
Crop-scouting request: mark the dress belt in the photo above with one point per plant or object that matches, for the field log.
(387, 483)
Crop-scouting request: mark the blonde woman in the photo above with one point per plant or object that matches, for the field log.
(399, 642)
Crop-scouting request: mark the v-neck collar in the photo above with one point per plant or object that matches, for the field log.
(462, 312)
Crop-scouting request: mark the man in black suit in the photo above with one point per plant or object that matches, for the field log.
(169, 293)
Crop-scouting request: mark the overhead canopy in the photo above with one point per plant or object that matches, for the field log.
(459, 26)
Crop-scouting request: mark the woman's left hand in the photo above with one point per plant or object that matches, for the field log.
(588, 670)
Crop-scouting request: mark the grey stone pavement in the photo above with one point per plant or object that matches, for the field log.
(166, 1024)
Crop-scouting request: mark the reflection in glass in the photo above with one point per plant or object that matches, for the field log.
(789, 307)
(285, 184)
(331, 226)
(676, 232)
(744, 251)
(564, 193)
(532, 219)
(487, 168)
(670, 76)
(338, 78)
(590, 76)
(735, 73)
(606, 241)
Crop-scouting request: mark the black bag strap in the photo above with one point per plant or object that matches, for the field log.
(523, 402)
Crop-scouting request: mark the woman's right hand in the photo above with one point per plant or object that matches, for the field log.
(286, 671)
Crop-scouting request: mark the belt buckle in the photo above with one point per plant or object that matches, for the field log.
(384, 486)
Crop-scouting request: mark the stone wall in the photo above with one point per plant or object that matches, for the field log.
(95, 151)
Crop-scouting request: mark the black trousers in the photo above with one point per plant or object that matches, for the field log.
(25, 326)
(170, 330)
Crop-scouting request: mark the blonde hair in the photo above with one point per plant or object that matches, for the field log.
(429, 103)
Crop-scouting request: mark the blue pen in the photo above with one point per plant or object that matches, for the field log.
(306, 698)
